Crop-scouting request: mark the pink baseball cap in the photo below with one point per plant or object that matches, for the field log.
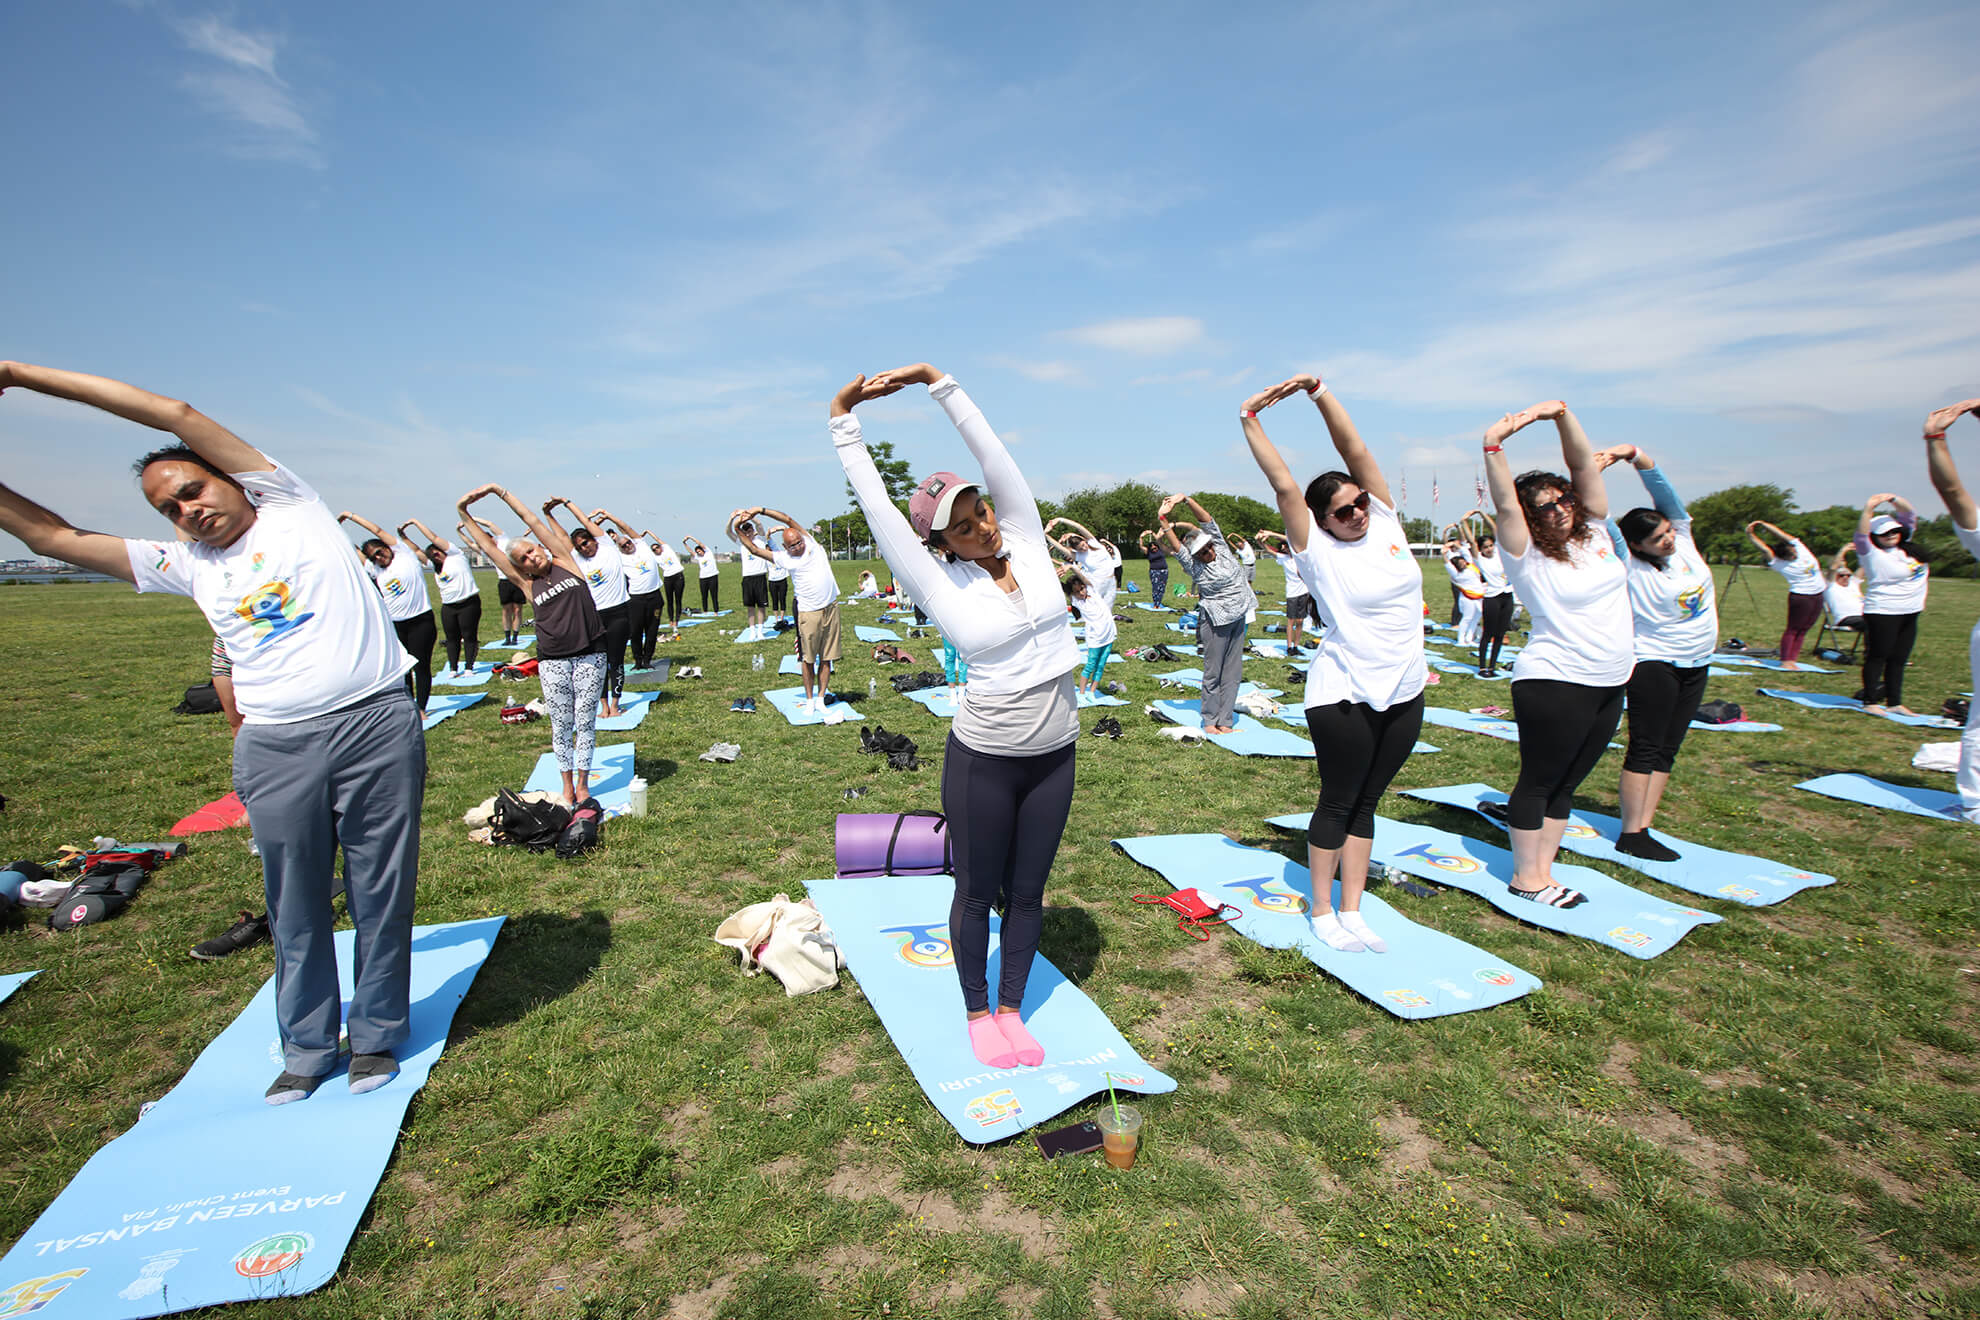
(933, 503)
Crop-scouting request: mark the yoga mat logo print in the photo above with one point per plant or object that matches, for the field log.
(1271, 894)
(272, 1255)
(992, 1109)
(1493, 976)
(1443, 861)
(31, 1295)
(923, 946)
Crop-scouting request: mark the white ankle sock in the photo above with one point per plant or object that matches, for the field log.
(1329, 928)
(1359, 929)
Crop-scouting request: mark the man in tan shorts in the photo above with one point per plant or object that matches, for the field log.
(817, 594)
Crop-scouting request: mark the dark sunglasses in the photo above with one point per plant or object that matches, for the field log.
(1358, 504)
(1564, 502)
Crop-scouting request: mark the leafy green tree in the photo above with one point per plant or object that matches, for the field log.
(894, 472)
(1718, 520)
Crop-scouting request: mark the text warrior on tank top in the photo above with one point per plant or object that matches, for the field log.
(567, 622)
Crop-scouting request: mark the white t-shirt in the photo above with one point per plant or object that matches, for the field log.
(1114, 556)
(1098, 565)
(1893, 582)
(811, 571)
(1845, 599)
(1676, 608)
(1583, 631)
(1801, 569)
(605, 574)
(456, 578)
(705, 564)
(670, 563)
(307, 631)
(1371, 592)
(1098, 616)
(1295, 584)
(642, 570)
(754, 565)
(1492, 572)
(1465, 577)
(1246, 555)
(402, 585)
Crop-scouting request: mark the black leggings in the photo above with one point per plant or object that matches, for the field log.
(645, 630)
(1662, 700)
(417, 636)
(711, 592)
(618, 630)
(462, 623)
(1006, 814)
(1495, 617)
(1563, 730)
(780, 595)
(675, 588)
(1887, 643)
(1359, 750)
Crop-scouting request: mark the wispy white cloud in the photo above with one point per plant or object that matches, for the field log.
(246, 91)
(1146, 335)
(1057, 372)
(1202, 377)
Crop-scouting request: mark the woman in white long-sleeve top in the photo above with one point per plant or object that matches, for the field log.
(1007, 773)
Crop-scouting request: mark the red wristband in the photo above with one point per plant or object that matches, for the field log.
(1935, 435)
(1495, 449)
(1242, 412)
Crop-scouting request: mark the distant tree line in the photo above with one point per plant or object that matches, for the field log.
(1122, 512)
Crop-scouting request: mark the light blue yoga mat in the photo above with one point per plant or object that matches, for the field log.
(1489, 725)
(1736, 877)
(1252, 738)
(705, 615)
(1737, 726)
(1272, 650)
(1933, 802)
(1425, 973)
(690, 623)
(444, 705)
(524, 641)
(12, 981)
(215, 1196)
(1641, 925)
(474, 677)
(1188, 629)
(611, 777)
(1150, 607)
(1735, 658)
(789, 665)
(1444, 666)
(894, 932)
(868, 634)
(633, 707)
(1194, 678)
(762, 632)
(935, 701)
(786, 701)
(1828, 701)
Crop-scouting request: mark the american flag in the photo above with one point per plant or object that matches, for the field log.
(1402, 496)
(1478, 486)
(1433, 490)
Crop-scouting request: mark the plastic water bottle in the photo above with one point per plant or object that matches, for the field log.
(637, 796)
(872, 686)
(756, 661)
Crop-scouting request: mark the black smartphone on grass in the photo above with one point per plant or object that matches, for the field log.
(1075, 1140)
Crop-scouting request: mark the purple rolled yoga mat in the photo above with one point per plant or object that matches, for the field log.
(893, 843)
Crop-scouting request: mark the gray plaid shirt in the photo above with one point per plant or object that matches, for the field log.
(1223, 595)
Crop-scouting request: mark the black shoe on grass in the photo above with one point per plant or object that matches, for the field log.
(249, 930)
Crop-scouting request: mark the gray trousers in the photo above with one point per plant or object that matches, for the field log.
(1223, 667)
(354, 778)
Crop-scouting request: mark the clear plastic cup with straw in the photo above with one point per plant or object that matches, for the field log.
(1120, 1129)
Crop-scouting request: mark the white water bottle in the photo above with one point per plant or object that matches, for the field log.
(637, 796)
(756, 661)
(872, 686)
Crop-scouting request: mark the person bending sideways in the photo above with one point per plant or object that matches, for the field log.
(1224, 603)
(509, 595)
(1364, 684)
(1495, 611)
(1675, 606)
(800, 555)
(1966, 526)
(396, 568)
(1158, 566)
(329, 755)
(460, 596)
(708, 574)
(1089, 598)
(603, 568)
(1007, 772)
(1787, 556)
(756, 586)
(644, 587)
(570, 637)
(1568, 681)
(1894, 587)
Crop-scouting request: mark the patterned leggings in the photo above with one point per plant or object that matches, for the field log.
(571, 688)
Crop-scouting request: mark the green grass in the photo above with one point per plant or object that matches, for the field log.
(1779, 1118)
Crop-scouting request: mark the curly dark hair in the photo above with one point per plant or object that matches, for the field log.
(1546, 540)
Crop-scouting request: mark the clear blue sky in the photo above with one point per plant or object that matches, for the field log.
(626, 252)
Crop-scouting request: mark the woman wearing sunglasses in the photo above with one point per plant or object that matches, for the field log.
(1568, 682)
(1364, 685)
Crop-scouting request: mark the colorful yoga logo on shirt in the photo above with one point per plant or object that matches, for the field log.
(393, 587)
(1691, 603)
(1270, 894)
(271, 611)
(923, 946)
(1443, 861)
(272, 1255)
(594, 577)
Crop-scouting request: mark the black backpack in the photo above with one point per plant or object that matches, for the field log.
(1720, 712)
(532, 825)
(581, 835)
(201, 700)
(105, 889)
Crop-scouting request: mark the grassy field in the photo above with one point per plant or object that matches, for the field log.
(1778, 1118)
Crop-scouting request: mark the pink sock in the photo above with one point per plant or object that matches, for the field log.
(1027, 1050)
(989, 1043)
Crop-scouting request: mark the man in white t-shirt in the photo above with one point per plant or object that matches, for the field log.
(817, 601)
(329, 755)
(755, 578)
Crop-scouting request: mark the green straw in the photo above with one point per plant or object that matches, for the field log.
(1114, 1100)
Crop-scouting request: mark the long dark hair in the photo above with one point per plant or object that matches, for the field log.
(1546, 540)
(1640, 525)
(1320, 493)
